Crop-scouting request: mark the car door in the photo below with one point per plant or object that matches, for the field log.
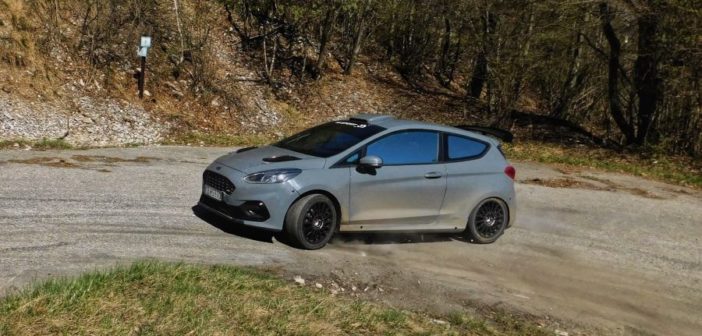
(468, 178)
(407, 191)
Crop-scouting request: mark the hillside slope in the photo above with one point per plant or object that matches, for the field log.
(53, 85)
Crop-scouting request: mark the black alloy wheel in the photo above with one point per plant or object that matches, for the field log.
(311, 221)
(318, 222)
(488, 221)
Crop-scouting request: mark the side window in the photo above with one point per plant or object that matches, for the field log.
(460, 148)
(411, 147)
(353, 159)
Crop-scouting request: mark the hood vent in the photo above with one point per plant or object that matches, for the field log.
(281, 158)
(245, 149)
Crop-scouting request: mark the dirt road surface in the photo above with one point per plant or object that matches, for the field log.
(598, 252)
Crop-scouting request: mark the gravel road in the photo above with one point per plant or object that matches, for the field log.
(594, 252)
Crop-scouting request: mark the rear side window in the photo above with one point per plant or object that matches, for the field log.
(461, 148)
(411, 147)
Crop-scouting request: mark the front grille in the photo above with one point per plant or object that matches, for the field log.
(218, 182)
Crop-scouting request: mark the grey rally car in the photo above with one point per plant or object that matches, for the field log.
(366, 174)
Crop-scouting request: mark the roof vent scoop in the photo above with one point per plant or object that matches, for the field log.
(367, 118)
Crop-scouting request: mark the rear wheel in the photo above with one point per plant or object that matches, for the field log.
(488, 221)
(311, 221)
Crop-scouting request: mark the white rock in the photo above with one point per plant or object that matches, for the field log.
(298, 279)
(561, 333)
(318, 285)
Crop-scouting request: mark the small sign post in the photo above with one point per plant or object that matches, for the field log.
(144, 46)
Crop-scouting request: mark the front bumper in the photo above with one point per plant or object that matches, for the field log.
(251, 210)
(258, 205)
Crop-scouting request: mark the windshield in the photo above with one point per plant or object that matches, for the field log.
(329, 139)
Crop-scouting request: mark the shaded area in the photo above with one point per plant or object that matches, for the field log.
(233, 228)
(341, 238)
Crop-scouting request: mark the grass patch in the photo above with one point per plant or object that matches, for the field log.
(677, 170)
(5, 144)
(158, 298)
(42, 144)
(52, 144)
(217, 139)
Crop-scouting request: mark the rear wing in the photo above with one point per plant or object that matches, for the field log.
(501, 134)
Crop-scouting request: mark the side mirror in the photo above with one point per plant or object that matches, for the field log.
(371, 161)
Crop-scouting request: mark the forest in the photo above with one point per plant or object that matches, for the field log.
(626, 72)
(627, 69)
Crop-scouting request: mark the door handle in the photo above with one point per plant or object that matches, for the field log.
(432, 175)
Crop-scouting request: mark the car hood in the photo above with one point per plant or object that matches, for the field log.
(269, 157)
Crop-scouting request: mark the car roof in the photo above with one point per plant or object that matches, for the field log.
(390, 123)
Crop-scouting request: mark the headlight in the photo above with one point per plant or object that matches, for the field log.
(273, 176)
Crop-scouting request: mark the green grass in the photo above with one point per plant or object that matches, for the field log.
(42, 144)
(677, 170)
(155, 298)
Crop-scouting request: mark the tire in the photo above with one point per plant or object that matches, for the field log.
(311, 221)
(488, 221)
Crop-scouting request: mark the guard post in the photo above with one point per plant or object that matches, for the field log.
(144, 46)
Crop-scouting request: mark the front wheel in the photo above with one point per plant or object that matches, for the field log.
(488, 221)
(311, 221)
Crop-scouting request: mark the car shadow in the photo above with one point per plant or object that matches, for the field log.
(394, 238)
(362, 238)
(233, 228)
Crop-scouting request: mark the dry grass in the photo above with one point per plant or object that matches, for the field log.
(48, 162)
(93, 162)
(16, 44)
(563, 182)
(677, 170)
(153, 298)
(567, 182)
(112, 159)
(43, 144)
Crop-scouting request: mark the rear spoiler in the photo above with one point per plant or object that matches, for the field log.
(501, 134)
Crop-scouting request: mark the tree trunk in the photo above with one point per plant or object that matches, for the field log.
(613, 73)
(572, 78)
(477, 81)
(522, 64)
(327, 26)
(480, 64)
(358, 36)
(646, 78)
(180, 31)
(442, 65)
